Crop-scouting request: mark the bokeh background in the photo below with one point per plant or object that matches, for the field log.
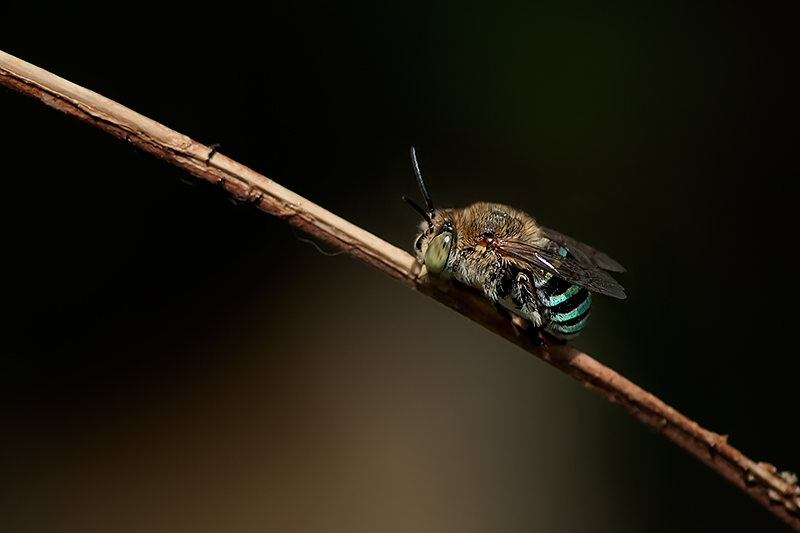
(175, 362)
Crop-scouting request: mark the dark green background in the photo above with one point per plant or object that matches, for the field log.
(175, 362)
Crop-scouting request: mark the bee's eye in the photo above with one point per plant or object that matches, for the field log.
(438, 252)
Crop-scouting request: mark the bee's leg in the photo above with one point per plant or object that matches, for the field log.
(214, 149)
(497, 286)
(519, 324)
(522, 326)
(536, 336)
(524, 297)
(513, 297)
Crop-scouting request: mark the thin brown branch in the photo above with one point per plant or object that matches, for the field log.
(778, 492)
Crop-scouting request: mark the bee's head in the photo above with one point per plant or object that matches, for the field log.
(434, 244)
(435, 241)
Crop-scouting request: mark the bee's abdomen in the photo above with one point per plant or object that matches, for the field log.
(564, 306)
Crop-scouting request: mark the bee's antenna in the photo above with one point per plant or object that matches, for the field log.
(419, 210)
(421, 184)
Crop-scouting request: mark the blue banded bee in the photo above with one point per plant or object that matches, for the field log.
(526, 269)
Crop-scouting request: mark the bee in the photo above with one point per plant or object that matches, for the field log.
(531, 271)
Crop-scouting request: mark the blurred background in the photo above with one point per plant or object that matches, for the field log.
(175, 362)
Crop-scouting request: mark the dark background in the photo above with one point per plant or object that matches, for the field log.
(175, 362)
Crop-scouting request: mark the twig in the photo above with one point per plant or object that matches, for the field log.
(776, 491)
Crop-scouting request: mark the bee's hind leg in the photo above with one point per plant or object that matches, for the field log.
(536, 336)
(515, 300)
(521, 326)
(524, 298)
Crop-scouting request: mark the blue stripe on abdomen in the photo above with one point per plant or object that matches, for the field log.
(576, 312)
(565, 306)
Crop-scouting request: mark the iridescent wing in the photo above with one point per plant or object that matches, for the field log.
(583, 253)
(568, 259)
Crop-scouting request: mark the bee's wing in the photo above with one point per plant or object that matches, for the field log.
(585, 254)
(566, 264)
